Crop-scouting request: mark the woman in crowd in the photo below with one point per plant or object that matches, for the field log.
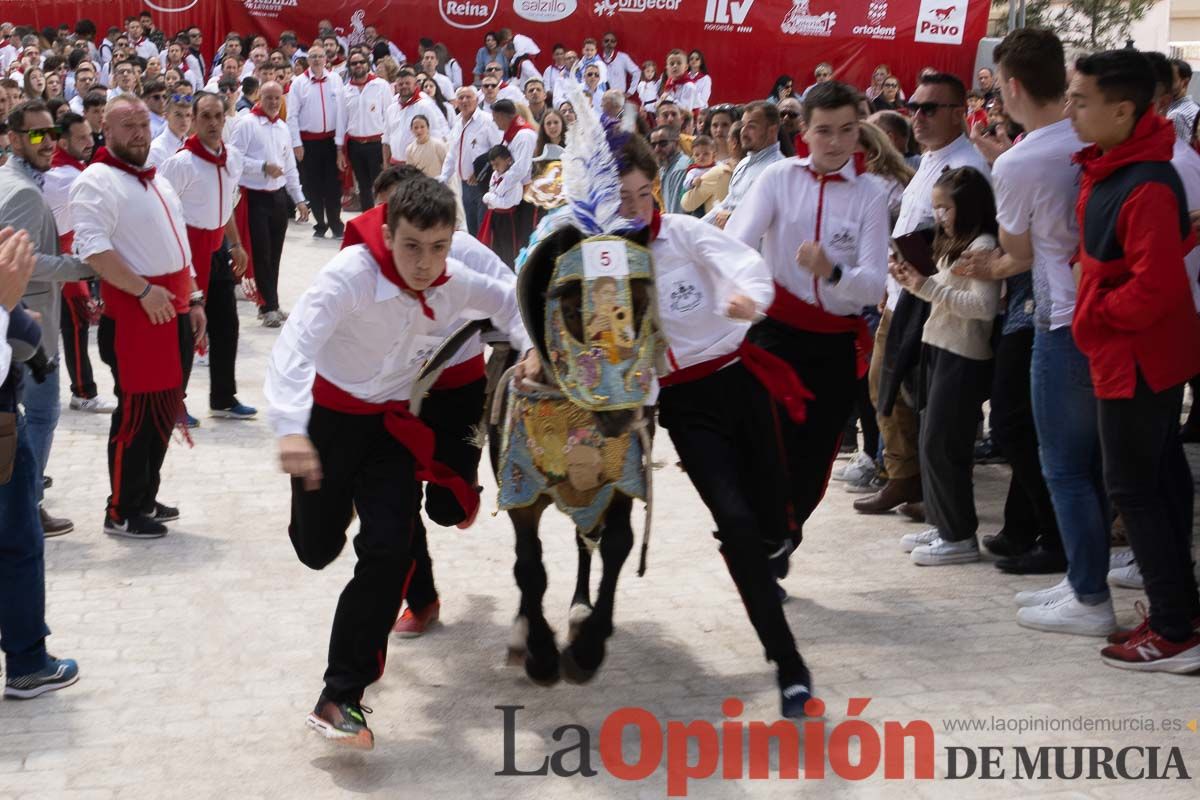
(553, 130)
(781, 89)
(568, 112)
(172, 78)
(387, 68)
(884, 160)
(714, 185)
(489, 52)
(647, 88)
(54, 87)
(430, 87)
(823, 73)
(717, 122)
(881, 74)
(955, 363)
(35, 84)
(522, 67)
(448, 65)
(888, 98)
(698, 72)
(425, 152)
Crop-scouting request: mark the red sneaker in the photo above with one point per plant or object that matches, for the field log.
(1121, 637)
(414, 623)
(1149, 652)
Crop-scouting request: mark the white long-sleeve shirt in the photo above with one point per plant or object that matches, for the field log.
(520, 173)
(144, 225)
(622, 73)
(398, 126)
(468, 141)
(316, 106)
(264, 142)
(697, 268)
(501, 194)
(208, 192)
(482, 259)
(359, 331)
(846, 213)
(744, 178)
(366, 107)
(57, 191)
(5, 349)
(165, 145)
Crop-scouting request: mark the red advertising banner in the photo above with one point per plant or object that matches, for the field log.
(746, 43)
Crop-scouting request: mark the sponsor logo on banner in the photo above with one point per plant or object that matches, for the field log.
(941, 21)
(468, 14)
(268, 8)
(358, 31)
(727, 15)
(171, 6)
(609, 8)
(544, 10)
(876, 14)
(800, 22)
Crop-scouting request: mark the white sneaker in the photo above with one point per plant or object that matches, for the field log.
(1123, 571)
(862, 464)
(1039, 597)
(940, 553)
(93, 405)
(1068, 615)
(911, 541)
(200, 360)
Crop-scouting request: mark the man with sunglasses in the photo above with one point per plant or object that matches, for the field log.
(623, 73)
(179, 122)
(368, 98)
(154, 95)
(33, 135)
(672, 166)
(938, 108)
(493, 73)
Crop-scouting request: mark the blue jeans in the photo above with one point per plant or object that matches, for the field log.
(23, 628)
(1064, 411)
(42, 407)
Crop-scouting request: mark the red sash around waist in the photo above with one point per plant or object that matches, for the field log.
(775, 374)
(203, 243)
(409, 431)
(459, 375)
(310, 136)
(365, 139)
(793, 311)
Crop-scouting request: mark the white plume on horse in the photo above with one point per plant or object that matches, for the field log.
(590, 180)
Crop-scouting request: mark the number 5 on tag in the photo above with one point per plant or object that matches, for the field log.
(605, 259)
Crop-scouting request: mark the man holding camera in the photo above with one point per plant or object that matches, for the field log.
(32, 135)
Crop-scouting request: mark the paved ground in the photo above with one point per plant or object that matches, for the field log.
(202, 652)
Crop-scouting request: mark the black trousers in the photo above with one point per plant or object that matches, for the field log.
(220, 307)
(367, 470)
(725, 431)
(954, 388)
(75, 350)
(366, 159)
(473, 208)
(864, 412)
(1028, 511)
(453, 414)
(268, 218)
(135, 469)
(322, 184)
(825, 363)
(510, 231)
(1149, 482)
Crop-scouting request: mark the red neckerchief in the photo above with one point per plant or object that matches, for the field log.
(516, 126)
(609, 59)
(370, 77)
(322, 79)
(502, 86)
(62, 158)
(412, 100)
(193, 145)
(144, 176)
(373, 239)
(672, 83)
(860, 166)
(699, 166)
(694, 76)
(258, 112)
(655, 224)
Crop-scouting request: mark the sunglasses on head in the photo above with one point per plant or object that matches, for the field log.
(38, 135)
(928, 109)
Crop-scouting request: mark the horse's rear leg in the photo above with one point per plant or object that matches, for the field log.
(584, 655)
(541, 653)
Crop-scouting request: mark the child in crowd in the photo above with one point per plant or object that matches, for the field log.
(704, 158)
(500, 221)
(424, 152)
(976, 113)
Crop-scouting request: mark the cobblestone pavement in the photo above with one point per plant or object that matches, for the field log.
(202, 652)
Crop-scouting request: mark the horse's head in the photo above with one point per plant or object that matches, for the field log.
(588, 305)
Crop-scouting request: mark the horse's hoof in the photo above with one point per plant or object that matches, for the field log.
(575, 618)
(572, 672)
(542, 673)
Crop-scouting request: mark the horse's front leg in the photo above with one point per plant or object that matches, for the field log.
(540, 651)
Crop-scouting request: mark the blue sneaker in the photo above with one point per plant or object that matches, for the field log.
(188, 420)
(238, 410)
(57, 674)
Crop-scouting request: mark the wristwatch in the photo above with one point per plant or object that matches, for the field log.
(196, 298)
(835, 275)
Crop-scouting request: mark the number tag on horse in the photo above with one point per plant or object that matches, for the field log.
(605, 259)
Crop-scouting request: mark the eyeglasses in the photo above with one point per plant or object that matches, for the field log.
(824, 74)
(38, 135)
(662, 143)
(492, 69)
(891, 86)
(610, 41)
(592, 75)
(490, 85)
(789, 114)
(156, 96)
(928, 109)
(181, 98)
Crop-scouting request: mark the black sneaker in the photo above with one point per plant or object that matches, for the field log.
(319, 232)
(47, 482)
(138, 526)
(162, 513)
(57, 674)
(338, 233)
(795, 689)
(344, 724)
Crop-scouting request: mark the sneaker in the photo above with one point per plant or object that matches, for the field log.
(1123, 571)
(1068, 615)
(135, 527)
(911, 541)
(1121, 637)
(93, 405)
(235, 411)
(344, 724)
(1150, 652)
(859, 465)
(54, 526)
(58, 673)
(1042, 596)
(866, 484)
(795, 689)
(940, 553)
(272, 319)
(200, 359)
(986, 452)
(414, 623)
(162, 513)
(338, 233)
(319, 232)
(188, 420)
